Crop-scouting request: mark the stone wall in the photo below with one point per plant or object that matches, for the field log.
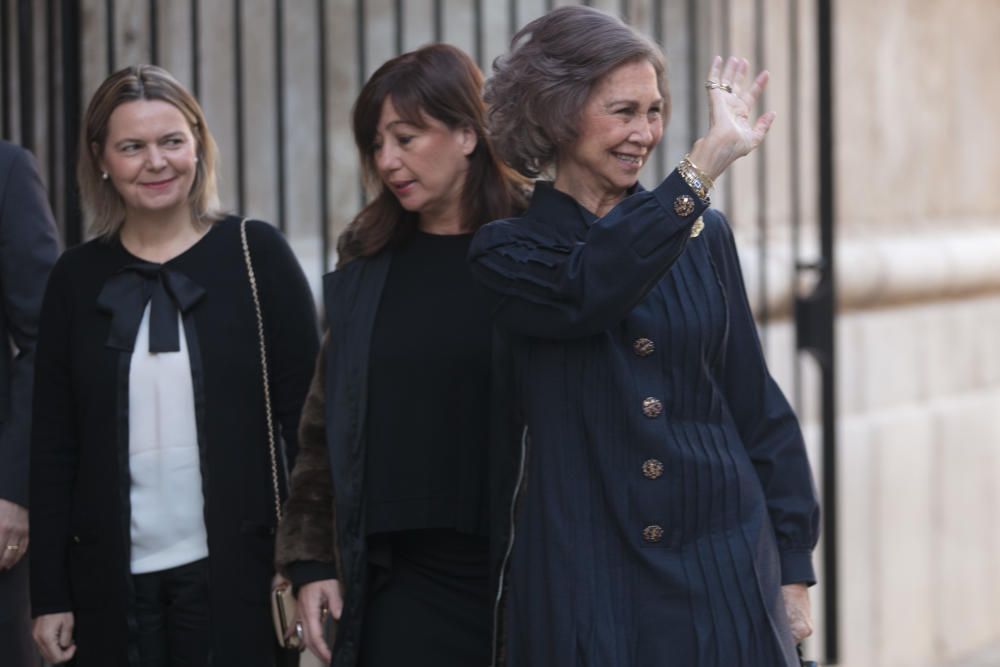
(919, 334)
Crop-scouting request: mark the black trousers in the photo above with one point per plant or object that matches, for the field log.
(172, 613)
(16, 647)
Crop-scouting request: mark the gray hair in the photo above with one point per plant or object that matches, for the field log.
(539, 88)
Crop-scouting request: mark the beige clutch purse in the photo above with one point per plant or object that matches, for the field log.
(284, 613)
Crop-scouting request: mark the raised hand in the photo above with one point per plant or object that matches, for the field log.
(732, 130)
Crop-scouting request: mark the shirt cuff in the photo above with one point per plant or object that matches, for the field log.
(797, 568)
(302, 572)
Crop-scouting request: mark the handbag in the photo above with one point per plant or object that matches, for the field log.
(284, 610)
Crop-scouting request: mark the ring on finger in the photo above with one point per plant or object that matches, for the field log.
(13, 547)
(299, 631)
(718, 85)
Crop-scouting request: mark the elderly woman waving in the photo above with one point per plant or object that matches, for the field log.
(661, 504)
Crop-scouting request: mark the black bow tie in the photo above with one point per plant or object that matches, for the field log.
(126, 294)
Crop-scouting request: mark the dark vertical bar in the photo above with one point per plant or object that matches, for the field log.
(154, 32)
(359, 16)
(795, 167)
(512, 25)
(324, 165)
(400, 26)
(477, 32)
(661, 154)
(827, 217)
(72, 77)
(26, 71)
(549, 5)
(694, 80)
(238, 81)
(195, 48)
(763, 308)
(624, 9)
(360, 27)
(51, 128)
(5, 77)
(438, 20)
(109, 27)
(279, 108)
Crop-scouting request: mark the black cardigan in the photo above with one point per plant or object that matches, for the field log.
(79, 469)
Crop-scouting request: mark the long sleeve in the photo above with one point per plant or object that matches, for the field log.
(54, 451)
(767, 425)
(291, 331)
(28, 250)
(558, 287)
(306, 543)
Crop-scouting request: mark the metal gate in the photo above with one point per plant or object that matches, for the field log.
(277, 78)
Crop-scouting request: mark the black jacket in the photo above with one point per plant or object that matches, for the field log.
(80, 529)
(323, 533)
(667, 495)
(28, 249)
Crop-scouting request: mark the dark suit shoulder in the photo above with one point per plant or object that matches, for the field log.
(10, 153)
(10, 156)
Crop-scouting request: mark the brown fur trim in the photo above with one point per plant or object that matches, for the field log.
(307, 530)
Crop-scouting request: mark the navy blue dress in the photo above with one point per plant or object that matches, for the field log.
(665, 493)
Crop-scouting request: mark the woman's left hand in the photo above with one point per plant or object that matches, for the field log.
(799, 612)
(732, 130)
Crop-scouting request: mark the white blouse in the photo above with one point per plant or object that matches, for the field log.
(168, 524)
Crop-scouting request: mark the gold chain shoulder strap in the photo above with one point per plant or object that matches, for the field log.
(272, 447)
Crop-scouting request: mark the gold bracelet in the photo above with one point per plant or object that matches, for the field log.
(696, 179)
(710, 183)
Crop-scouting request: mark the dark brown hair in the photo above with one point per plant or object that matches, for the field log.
(101, 203)
(444, 83)
(539, 88)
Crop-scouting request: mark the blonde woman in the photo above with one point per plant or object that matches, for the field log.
(153, 510)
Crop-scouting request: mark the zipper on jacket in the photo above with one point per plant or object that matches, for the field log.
(510, 545)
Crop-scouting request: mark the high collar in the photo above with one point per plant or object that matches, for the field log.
(562, 211)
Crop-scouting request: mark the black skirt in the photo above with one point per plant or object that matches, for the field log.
(429, 601)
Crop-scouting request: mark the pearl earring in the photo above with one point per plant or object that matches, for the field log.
(104, 175)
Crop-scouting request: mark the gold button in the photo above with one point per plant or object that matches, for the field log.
(652, 533)
(643, 347)
(699, 225)
(651, 407)
(652, 468)
(684, 206)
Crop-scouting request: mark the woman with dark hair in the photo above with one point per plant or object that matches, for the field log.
(661, 503)
(152, 468)
(387, 520)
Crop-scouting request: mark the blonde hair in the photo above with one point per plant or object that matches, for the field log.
(102, 205)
